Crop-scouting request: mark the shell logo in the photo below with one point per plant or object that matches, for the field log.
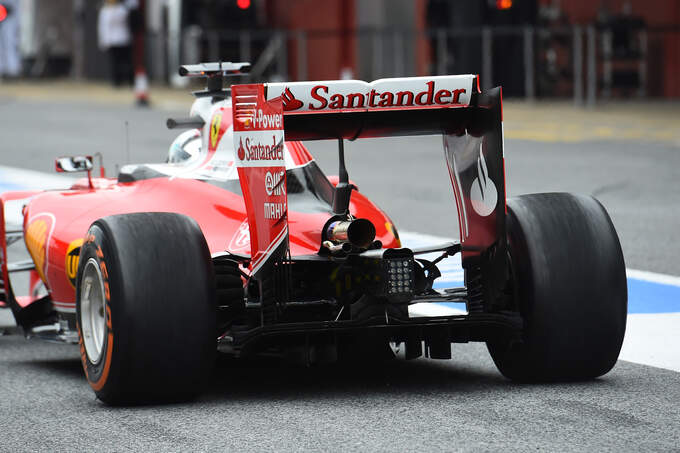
(36, 239)
(72, 259)
(389, 226)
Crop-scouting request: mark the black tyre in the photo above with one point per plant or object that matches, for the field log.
(146, 308)
(569, 284)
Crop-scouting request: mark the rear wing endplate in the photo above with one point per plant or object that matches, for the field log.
(258, 141)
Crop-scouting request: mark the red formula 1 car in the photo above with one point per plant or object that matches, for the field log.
(240, 244)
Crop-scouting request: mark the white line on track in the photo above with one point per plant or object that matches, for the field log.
(653, 277)
(652, 339)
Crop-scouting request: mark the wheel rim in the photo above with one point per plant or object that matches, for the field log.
(92, 311)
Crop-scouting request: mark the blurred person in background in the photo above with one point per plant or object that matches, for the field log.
(115, 38)
(10, 59)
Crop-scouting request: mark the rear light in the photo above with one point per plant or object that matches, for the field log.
(400, 278)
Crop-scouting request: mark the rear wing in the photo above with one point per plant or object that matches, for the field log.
(385, 107)
(469, 120)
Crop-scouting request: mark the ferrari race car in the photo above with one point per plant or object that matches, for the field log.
(240, 244)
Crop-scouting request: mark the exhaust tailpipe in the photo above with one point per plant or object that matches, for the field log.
(359, 232)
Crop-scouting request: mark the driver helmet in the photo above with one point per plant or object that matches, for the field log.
(185, 147)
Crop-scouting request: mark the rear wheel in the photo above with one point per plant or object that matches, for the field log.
(569, 284)
(146, 308)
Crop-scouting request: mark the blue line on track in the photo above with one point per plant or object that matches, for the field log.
(652, 297)
(643, 296)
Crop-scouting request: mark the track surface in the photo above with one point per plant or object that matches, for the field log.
(463, 404)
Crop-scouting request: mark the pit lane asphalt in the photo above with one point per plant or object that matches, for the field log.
(462, 404)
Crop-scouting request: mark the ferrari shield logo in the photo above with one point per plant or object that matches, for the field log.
(215, 127)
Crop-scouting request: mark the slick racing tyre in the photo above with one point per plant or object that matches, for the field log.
(569, 284)
(146, 308)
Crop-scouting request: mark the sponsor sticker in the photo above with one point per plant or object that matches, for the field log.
(274, 210)
(72, 259)
(268, 121)
(389, 226)
(397, 93)
(483, 193)
(37, 233)
(273, 183)
(260, 148)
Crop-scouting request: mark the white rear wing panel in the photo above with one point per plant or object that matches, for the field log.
(336, 96)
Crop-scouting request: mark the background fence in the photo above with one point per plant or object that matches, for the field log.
(580, 62)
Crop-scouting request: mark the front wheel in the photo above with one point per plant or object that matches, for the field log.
(146, 308)
(569, 284)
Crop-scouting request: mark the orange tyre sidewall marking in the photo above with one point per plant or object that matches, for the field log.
(101, 381)
(107, 359)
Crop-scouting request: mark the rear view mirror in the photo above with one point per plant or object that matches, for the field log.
(73, 164)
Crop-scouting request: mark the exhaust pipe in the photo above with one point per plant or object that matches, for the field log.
(359, 232)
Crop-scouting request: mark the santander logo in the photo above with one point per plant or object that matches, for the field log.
(322, 99)
(241, 152)
(289, 101)
(409, 92)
